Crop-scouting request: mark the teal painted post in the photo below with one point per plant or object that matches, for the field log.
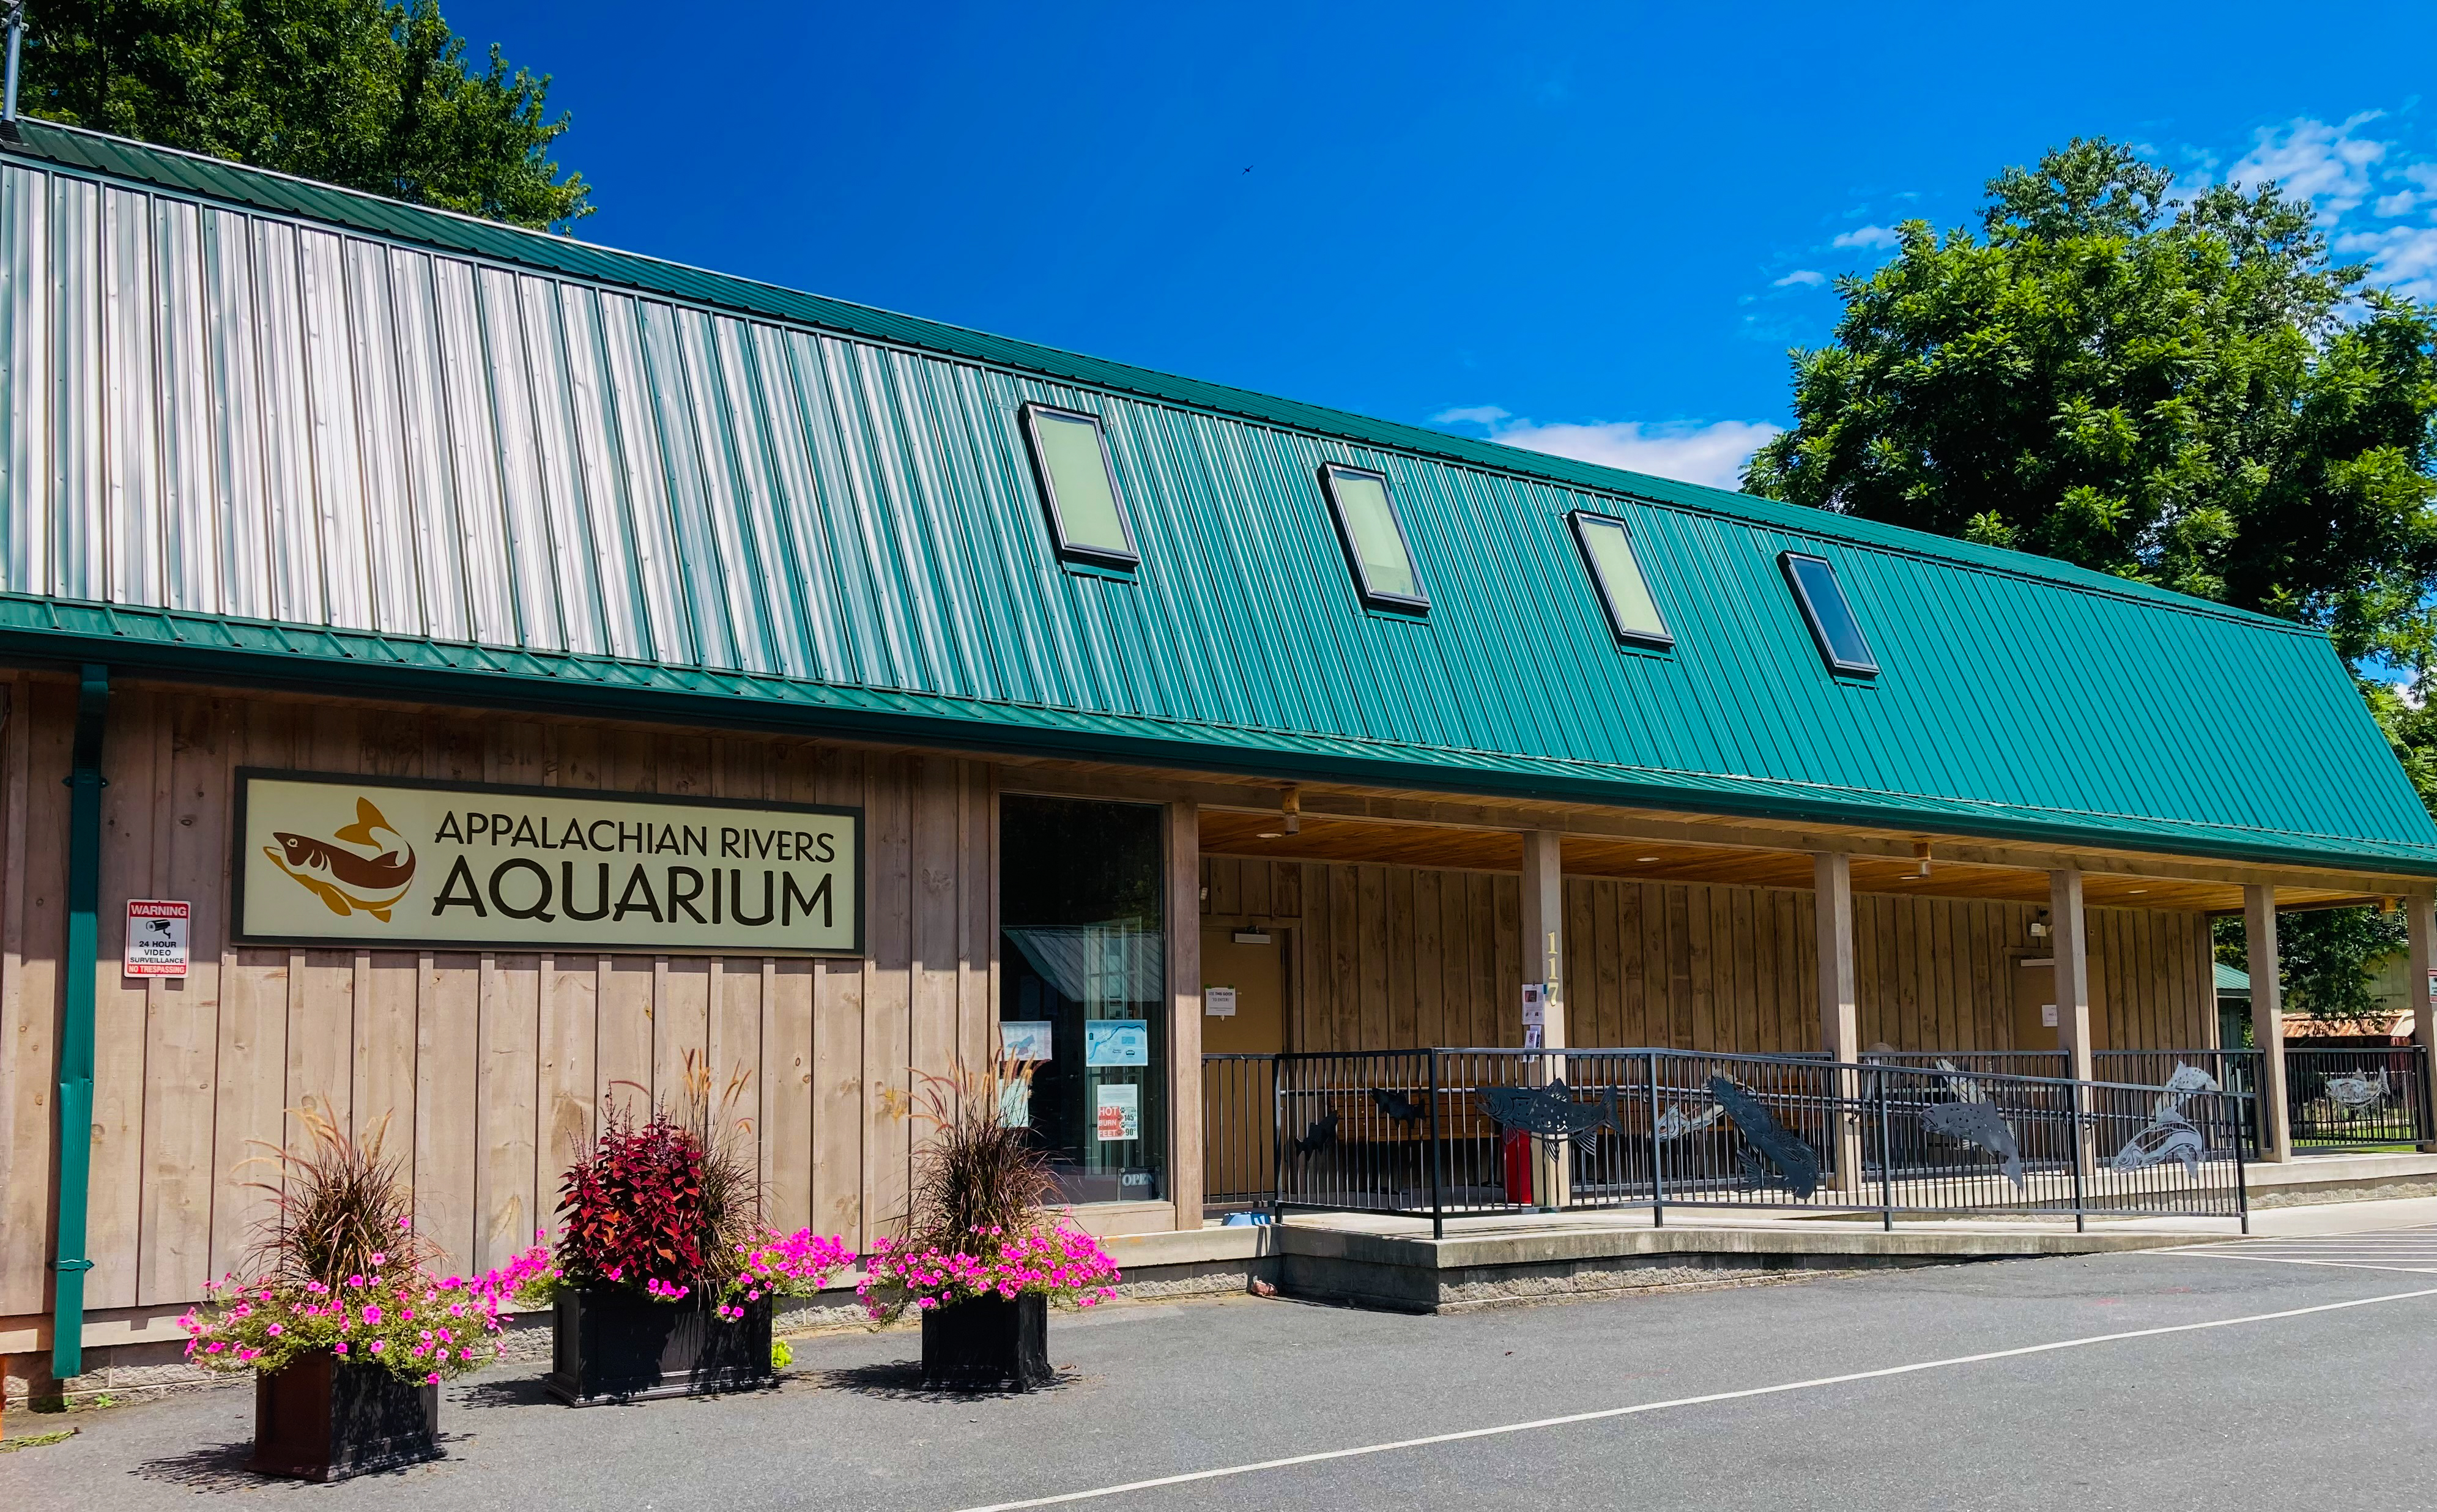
(76, 1034)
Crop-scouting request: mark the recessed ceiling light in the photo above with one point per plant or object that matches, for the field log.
(1273, 834)
(2137, 889)
(1645, 858)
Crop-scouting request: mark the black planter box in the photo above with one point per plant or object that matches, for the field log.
(612, 1345)
(323, 1418)
(988, 1343)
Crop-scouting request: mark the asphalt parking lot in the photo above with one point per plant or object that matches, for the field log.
(2263, 1374)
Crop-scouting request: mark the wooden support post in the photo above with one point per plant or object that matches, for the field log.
(1840, 1015)
(2267, 1021)
(1544, 953)
(2070, 933)
(2420, 936)
(1184, 1011)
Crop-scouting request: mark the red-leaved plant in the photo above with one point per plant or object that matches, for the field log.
(671, 1207)
(632, 1213)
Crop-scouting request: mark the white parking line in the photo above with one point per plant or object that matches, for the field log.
(1324, 1456)
(2393, 1249)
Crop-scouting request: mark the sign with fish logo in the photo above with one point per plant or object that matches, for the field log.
(327, 859)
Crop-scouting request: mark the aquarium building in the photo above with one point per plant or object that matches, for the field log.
(459, 677)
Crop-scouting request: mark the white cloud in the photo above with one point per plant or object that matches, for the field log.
(2399, 203)
(1802, 276)
(2309, 157)
(1713, 454)
(1865, 237)
(2403, 257)
(1488, 415)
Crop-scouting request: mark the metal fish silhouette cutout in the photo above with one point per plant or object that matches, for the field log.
(2188, 1082)
(2172, 1138)
(347, 881)
(1551, 1110)
(1978, 1123)
(1797, 1165)
(1397, 1106)
(1964, 1088)
(2357, 1091)
(1676, 1121)
(1318, 1137)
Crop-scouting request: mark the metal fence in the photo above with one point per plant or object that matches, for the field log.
(1451, 1133)
(2373, 1096)
(1240, 1130)
(2235, 1071)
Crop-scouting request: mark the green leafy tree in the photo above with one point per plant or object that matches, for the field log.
(2187, 394)
(351, 91)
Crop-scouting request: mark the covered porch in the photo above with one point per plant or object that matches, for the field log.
(1337, 923)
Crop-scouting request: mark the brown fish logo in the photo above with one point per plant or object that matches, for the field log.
(348, 881)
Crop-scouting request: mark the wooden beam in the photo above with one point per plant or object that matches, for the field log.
(1185, 1012)
(2420, 935)
(2069, 928)
(1840, 1022)
(1544, 925)
(2267, 1021)
(1542, 943)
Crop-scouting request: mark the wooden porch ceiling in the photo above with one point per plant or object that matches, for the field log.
(1227, 832)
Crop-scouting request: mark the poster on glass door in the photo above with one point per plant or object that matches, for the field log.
(1119, 1112)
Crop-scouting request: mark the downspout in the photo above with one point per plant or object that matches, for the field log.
(81, 967)
(16, 44)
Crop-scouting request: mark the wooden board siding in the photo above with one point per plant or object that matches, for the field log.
(489, 1067)
(1389, 957)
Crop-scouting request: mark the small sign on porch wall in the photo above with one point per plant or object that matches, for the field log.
(1218, 1002)
(156, 936)
(1535, 1013)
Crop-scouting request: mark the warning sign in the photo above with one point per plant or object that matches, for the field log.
(156, 936)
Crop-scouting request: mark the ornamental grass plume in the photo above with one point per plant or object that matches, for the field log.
(978, 1176)
(340, 1206)
(980, 1223)
(336, 1265)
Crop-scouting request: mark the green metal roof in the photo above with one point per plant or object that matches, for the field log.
(2231, 979)
(488, 466)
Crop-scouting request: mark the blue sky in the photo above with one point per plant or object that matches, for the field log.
(1594, 229)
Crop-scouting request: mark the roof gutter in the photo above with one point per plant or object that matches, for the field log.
(284, 659)
(82, 968)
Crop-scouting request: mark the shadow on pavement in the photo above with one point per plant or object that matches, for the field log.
(222, 1468)
(523, 1390)
(902, 1380)
(212, 1467)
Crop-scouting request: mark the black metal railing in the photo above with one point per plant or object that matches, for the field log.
(2371, 1098)
(1453, 1132)
(2234, 1072)
(1240, 1130)
(1979, 1063)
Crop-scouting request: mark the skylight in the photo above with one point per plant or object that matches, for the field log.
(1374, 539)
(1078, 486)
(1832, 625)
(1616, 572)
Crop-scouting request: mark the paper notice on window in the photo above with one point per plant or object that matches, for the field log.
(1218, 1002)
(1116, 1041)
(1025, 1039)
(1120, 1112)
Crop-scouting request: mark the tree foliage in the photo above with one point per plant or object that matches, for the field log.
(2182, 391)
(2188, 395)
(358, 92)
